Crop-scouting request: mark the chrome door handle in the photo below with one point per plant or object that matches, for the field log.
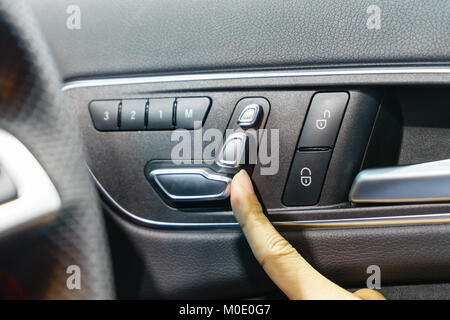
(425, 182)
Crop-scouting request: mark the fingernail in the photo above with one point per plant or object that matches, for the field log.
(245, 181)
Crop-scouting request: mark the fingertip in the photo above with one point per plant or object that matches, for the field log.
(234, 195)
(236, 178)
(243, 179)
(241, 194)
(235, 191)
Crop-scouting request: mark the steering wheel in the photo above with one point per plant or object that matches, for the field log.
(53, 240)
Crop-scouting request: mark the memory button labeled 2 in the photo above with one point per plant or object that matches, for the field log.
(133, 114)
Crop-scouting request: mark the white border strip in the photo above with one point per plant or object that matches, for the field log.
(253, 75)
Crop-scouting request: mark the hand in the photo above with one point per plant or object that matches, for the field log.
(281, 261)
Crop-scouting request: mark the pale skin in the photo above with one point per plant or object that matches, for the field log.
(280, 260)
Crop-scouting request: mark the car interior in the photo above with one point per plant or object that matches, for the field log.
(123, 122)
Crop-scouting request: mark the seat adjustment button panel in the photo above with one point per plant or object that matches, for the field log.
(191, 112)
(323, 120)
(160, 114)
(306, 177)
(104, 114)
(133, 114)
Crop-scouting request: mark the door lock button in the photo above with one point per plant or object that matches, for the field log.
(306, 178)
(323, 120)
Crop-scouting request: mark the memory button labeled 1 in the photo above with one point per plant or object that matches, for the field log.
(160, 114)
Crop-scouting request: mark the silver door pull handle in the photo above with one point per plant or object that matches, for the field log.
(425, 182)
